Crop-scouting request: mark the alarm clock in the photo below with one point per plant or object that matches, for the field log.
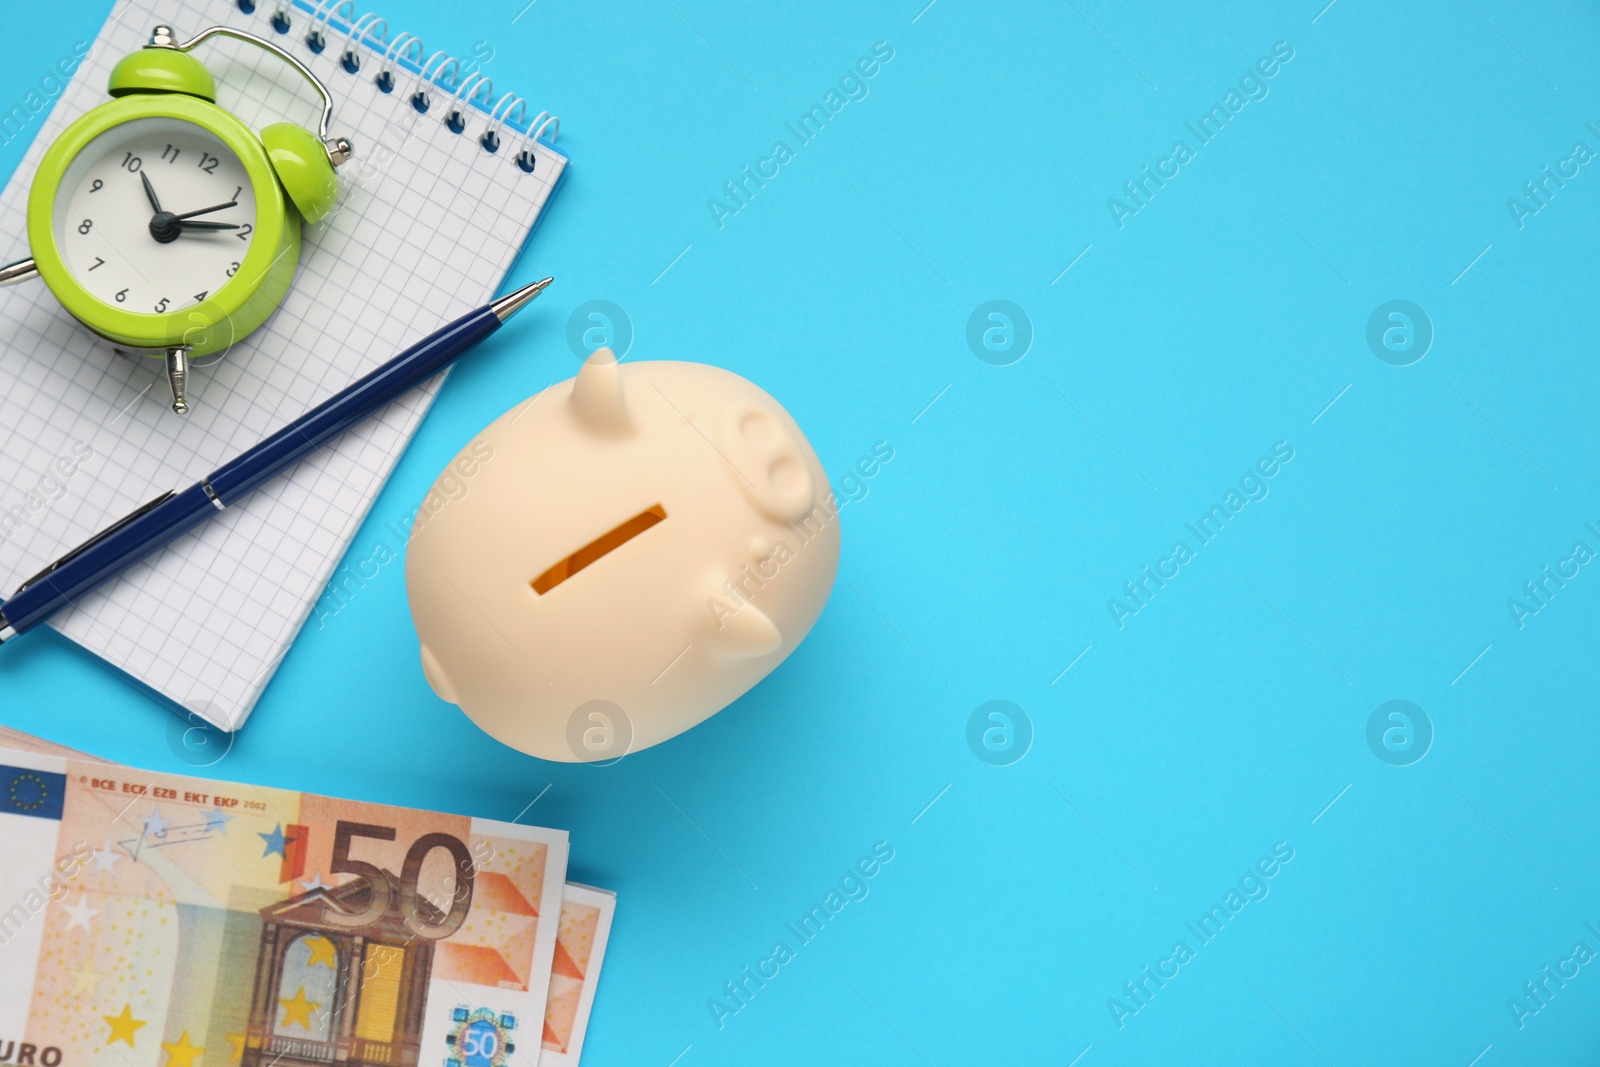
(166, 225)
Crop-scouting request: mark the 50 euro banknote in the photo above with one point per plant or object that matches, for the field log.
(155, 920)
(580, 949)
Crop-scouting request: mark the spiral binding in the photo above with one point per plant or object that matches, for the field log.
(368, 23)
(467, 93)
(385, 80)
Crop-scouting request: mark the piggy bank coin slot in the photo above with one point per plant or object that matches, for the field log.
(607, 542)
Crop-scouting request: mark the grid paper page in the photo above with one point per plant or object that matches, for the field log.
(428, 225)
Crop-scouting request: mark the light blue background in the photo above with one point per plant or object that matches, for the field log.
(1226, 715)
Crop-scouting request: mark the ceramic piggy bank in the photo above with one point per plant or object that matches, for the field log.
(620, 557)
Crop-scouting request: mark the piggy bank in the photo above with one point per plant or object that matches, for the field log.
(620, 557)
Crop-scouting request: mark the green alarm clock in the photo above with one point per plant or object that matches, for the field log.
(166, 225)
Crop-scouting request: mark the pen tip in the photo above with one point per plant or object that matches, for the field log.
(514, 302)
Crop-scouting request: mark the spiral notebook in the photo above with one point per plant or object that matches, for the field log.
(447, 181)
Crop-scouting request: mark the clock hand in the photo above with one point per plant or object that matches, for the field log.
(166, 227)
(206, 210)
(150, 191)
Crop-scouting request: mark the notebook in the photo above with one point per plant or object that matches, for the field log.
(429, 223)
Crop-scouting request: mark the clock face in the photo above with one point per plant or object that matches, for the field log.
(154, 215)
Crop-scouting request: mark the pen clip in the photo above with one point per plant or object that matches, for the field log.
(144, 509)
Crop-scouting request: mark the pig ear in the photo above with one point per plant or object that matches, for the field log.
(597, 398)
(748, 633)
(437, 678)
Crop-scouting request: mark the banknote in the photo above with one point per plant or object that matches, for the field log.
(580, 948)
(10, 738)
(154, 920)
(581, 938)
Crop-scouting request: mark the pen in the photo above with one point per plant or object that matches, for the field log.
(157, 523)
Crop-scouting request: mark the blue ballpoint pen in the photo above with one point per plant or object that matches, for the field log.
(157, 523)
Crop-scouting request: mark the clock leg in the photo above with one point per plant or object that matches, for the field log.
(178, 377)
(20, 271)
